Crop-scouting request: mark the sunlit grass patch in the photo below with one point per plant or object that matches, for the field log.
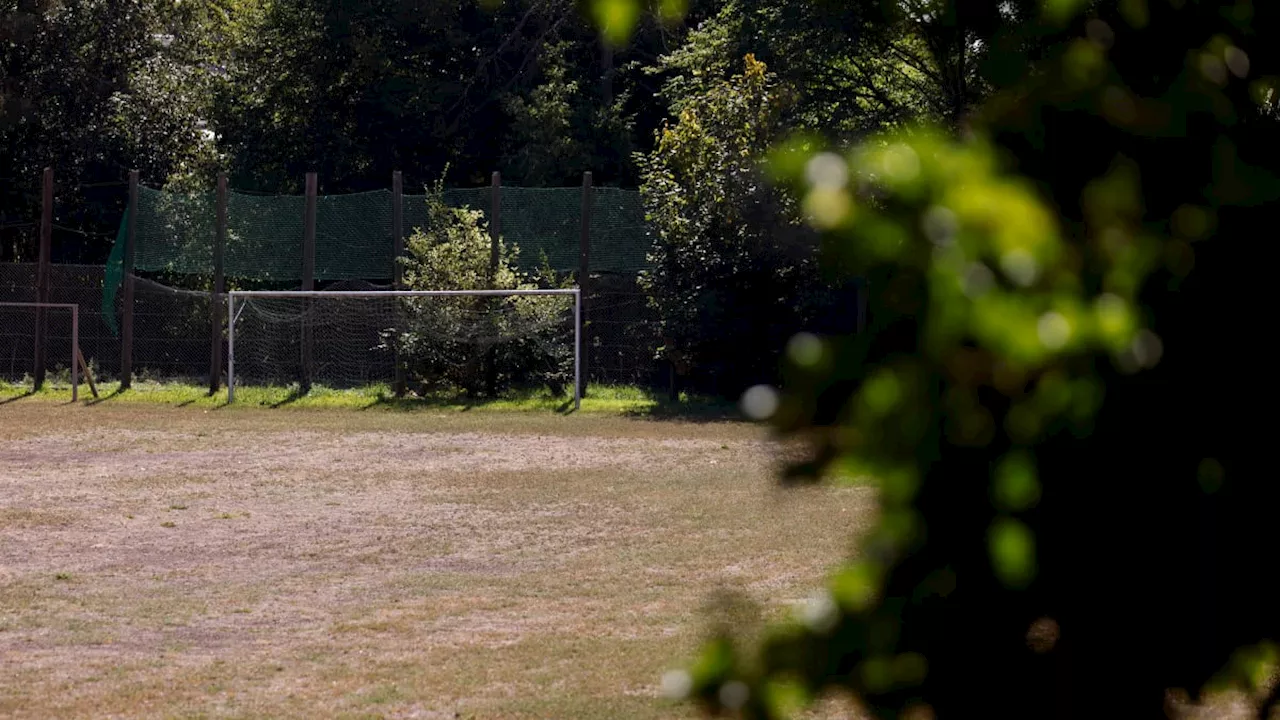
(602, 399)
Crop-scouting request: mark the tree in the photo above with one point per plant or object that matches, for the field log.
(93, 89)
(734, 272)
(854, 67)
(1050, 394)
(559, 128)
(355, 90)
(733, 261)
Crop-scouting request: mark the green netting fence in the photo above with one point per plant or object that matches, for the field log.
(175, 236)
(175, 233)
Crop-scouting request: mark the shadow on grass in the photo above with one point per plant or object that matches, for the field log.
(295, 394)
(689, 410)
(113, 394)
(458, 403)
(463, 402)
(700, 410)
(16, 398)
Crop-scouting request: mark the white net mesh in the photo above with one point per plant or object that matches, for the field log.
(470, 343)
(21, 328)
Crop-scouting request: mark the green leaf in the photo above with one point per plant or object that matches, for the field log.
(856, 586)
(786, 697)
(1060, 11)
(616, 19)
(1016, 486)
(670, 11)
(1012, 548)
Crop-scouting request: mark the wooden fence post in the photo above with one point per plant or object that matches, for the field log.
(308, 277)
(42, 276)
(126, 325)
(495, 233)
(219, 285)
(584, 276)
(397, 271)
(495, 221)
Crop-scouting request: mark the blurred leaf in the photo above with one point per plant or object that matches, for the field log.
(616, 19)
(855, 587)
(1012, 548)
(786, 697)
(1016, 486)
(1059, 11)
(672, 10)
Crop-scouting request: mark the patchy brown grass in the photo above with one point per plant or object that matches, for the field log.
(188, 562)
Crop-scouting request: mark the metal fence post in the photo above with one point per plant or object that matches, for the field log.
(577, 349)
(75, 350)
(231, 347)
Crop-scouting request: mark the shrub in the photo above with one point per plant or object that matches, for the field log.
(734, 268)
(479, 344)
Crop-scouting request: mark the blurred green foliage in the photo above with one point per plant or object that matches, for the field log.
(1054, 388)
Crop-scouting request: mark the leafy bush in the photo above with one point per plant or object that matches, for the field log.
(735, 271)
(479, 343)
(1061, 391)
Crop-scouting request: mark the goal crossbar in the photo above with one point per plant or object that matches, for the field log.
(75, 335)
(235, 295)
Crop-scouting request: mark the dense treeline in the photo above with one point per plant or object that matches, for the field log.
(267, 90)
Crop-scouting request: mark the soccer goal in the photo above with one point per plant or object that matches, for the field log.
(29, 338)
(472, 340)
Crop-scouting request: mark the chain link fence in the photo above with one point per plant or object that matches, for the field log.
(173, 331)
(68, 284)
(174, 259)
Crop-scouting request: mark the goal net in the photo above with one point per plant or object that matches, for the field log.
(39, 344)
(472, 341)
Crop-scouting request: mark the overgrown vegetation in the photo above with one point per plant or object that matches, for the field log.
(735, 270)
(479, 344)
(1046, 390)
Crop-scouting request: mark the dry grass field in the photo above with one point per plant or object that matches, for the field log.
(196, 562)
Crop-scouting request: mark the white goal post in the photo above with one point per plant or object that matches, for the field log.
(75, 335)
(237, 300)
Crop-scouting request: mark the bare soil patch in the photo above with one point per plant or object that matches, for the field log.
(161, 562)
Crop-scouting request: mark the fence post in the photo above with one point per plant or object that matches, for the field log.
(495, 232)
(584, 274)
(308, 277)
(75, 352)
(126, 324)
(397, 272)
(495, 222)
(42, 275)
(219, 285)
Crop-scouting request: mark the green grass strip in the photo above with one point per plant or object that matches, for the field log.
(600, 399)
